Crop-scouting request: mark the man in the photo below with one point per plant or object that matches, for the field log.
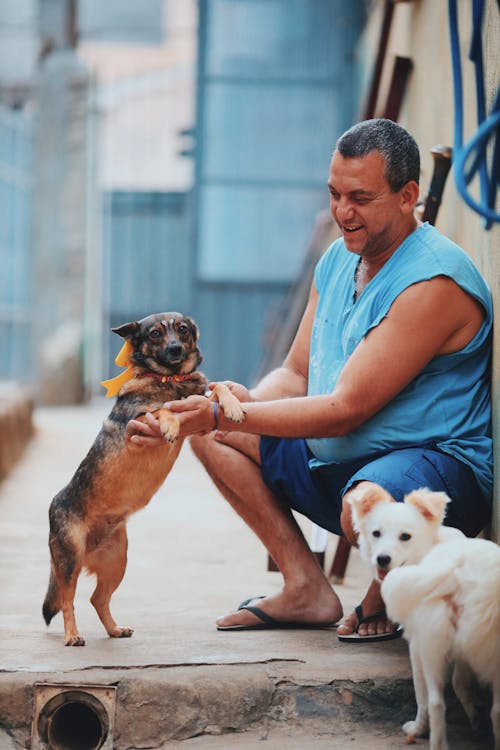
(387, 381)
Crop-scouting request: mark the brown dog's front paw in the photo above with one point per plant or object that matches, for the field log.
(169, 437)
(169, 425)
(233, 411)
(228, 402)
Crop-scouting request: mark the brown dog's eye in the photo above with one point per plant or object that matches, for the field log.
(183, 328)
(155, 334)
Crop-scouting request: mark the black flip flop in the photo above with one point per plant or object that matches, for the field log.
(270, 623)
(356, 638)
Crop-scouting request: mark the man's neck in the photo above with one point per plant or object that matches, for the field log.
(369, 265)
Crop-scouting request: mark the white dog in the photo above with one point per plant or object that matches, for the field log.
(445, 590)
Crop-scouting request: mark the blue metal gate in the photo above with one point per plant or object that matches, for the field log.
(15, 244)
(147, 256)
(277, 84)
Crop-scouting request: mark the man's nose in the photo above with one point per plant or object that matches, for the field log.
(345, 209)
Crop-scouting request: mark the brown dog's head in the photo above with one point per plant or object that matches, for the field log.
(163, 343)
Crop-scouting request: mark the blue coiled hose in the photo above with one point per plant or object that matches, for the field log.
(474, 152)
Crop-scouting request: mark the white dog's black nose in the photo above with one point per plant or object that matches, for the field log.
(383, 561)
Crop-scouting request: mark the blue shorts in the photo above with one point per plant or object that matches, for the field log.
(317, 493)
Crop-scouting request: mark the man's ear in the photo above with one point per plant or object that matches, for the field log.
(409, 195)
(127, 329)
(364, 499)
(432, 505)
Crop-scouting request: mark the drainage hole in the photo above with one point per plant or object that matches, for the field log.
(75, 726)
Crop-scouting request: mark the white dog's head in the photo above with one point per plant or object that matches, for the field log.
(392, 534)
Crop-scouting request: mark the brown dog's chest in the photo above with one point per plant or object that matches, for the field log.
(117, 477)
(129, 480)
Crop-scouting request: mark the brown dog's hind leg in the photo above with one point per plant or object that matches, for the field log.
(71, 635)
(66, 568)
(109, 563)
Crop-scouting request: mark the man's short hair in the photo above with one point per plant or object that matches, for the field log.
(395, 144)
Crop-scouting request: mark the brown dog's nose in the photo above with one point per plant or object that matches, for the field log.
(173, 349)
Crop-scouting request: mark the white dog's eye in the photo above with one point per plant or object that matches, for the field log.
(404, 537)
(376, 533)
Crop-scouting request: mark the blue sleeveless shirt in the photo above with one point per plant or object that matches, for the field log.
(448, 403)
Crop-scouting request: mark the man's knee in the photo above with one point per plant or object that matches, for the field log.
(346, 523)
(200, 445)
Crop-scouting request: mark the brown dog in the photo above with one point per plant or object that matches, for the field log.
(88, 517)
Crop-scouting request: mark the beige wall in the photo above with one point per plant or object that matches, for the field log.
(420, 31)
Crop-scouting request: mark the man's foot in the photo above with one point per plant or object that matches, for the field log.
(378, 627)
(285, 610)
(369, 619)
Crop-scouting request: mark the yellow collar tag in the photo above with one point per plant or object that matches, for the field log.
(122, 360)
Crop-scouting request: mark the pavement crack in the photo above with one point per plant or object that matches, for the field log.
(128, 667)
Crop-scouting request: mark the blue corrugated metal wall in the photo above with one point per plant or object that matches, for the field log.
(148, 257)
(276, 87)
(15, 244)
(277, 84)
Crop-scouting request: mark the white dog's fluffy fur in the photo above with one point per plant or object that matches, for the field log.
(445, 591)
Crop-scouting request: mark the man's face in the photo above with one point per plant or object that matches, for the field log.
(370, 217)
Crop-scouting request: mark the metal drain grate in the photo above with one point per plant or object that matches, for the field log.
(73, 717)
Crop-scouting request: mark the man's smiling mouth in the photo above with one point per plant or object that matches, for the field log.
(349, 230)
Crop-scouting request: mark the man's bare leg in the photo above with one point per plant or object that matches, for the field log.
(372, 602)
(233, 463)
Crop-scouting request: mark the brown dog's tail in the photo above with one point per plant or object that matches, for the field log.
(51, 604)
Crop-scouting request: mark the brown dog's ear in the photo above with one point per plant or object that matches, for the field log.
(194, 328)
(364, 498)
(432, 505)
(127, 329)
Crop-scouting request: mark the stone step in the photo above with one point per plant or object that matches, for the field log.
(223, 706)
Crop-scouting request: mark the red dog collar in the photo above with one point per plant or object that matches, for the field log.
(166, 378)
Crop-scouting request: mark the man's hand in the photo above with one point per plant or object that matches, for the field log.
(195, 414)
(147, 433)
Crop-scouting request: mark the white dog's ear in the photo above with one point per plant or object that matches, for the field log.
(432, 505)
(364, 497)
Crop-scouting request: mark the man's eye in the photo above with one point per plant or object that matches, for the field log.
(376, 533)
(404, 537)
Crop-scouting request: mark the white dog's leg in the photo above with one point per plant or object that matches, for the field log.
(463, 682)
(420, 725)
(434, 666)
(495, 711)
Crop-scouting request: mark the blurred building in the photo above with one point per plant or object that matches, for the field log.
(173, 154)
(276, 83)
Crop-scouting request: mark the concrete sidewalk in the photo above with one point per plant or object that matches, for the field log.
(190, 559)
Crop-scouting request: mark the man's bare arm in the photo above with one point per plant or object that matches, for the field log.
(429, 318)
(285, 382)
